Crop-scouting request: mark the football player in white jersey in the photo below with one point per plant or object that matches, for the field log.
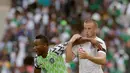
(91, 51)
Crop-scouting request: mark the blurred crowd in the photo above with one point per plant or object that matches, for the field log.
(59, 20)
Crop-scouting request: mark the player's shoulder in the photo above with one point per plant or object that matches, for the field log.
(100, 40)
(102, 43)
(36, 62)
(59, 49)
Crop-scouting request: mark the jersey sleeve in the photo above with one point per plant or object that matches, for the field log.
(59, 49)
(36, 63)
(101, 47)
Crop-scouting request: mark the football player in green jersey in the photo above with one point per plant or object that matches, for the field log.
(48, 60)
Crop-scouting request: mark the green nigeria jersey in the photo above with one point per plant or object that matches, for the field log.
(54, 62)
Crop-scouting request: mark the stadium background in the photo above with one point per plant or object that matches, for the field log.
(22, 20)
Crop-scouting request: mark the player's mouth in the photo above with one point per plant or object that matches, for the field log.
(87, 35)
(36, 51)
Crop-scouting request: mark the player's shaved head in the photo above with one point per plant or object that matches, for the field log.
(92, 22)
(42, 38)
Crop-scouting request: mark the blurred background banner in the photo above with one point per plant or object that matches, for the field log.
(22, 20)
(4, 8)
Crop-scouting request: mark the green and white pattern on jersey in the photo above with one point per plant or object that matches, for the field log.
(53, 63)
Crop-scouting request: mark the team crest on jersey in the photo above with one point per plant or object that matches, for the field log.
(52, 60)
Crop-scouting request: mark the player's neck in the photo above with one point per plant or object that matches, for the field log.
(44, 55)
(92, 36)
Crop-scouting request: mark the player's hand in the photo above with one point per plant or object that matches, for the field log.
(93, 41)
(83, 54)
(74, 38)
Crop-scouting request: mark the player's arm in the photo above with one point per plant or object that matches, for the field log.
(99, 59)
(101, 53)
(69, 53)
(80, 41)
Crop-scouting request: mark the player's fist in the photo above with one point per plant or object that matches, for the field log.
(83, 54)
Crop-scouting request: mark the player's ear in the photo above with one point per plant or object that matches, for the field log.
(97, 30)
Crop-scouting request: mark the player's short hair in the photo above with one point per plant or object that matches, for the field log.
(43, 38)
(77, 27)
(91, 21)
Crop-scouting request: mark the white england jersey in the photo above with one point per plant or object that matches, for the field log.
(85, 65)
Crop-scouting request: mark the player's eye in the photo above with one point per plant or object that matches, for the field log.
(89, 28)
